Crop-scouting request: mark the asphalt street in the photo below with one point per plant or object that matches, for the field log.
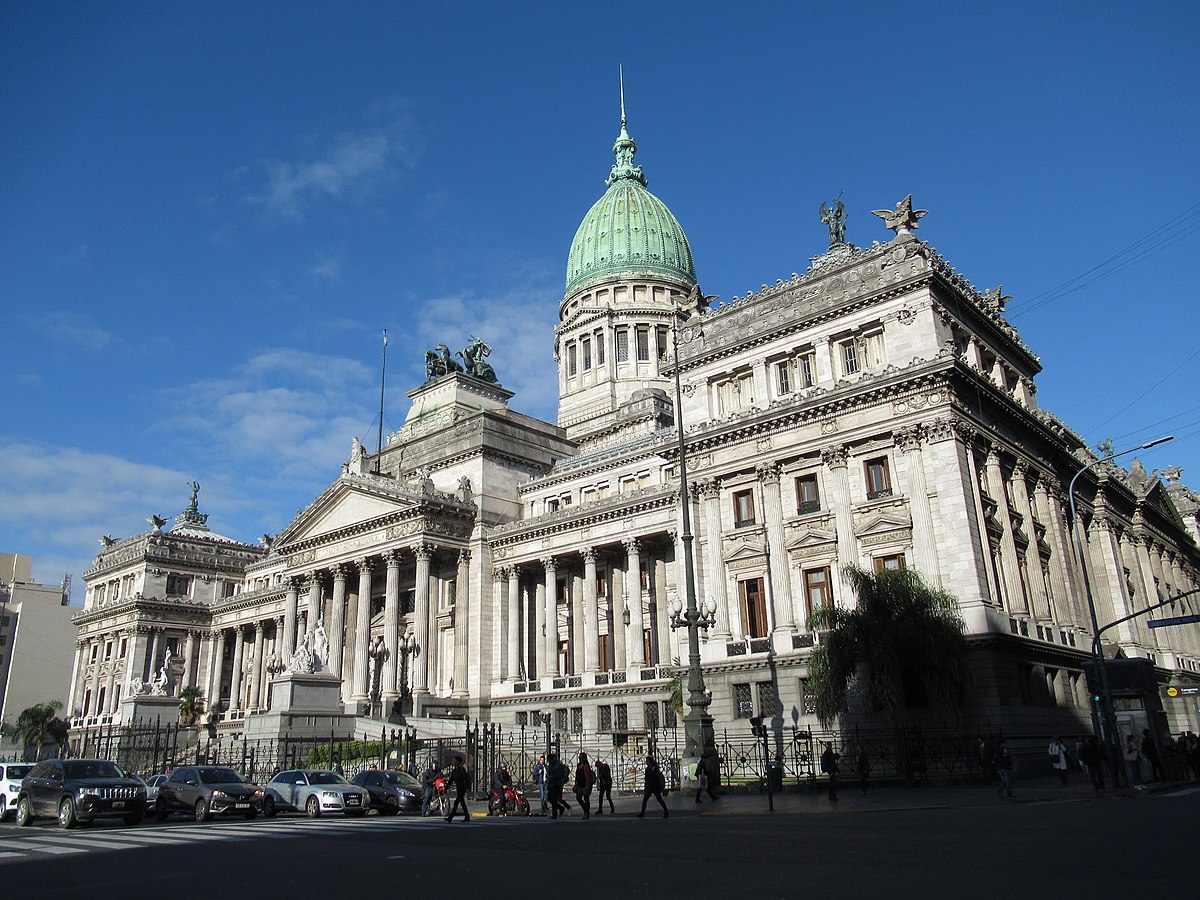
(896, 842)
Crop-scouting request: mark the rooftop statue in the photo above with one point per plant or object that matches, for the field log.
(474, 355)
(996, 298)
(903, 218)
(195, 486)
(835, 217)
(439, 362)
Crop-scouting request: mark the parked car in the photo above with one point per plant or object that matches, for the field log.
(10, 786)
(78, 791)
(390, 792)
(153, 783)
(315, 791)
(207, 791)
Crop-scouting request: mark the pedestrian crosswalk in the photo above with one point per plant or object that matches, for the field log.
(18, 845)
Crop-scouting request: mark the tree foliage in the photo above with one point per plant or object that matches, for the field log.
(902, 645)
(40, 724)
(191, 705)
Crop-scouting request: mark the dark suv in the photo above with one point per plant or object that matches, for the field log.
(80, 790)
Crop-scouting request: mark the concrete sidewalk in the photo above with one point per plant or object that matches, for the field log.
(880, 797)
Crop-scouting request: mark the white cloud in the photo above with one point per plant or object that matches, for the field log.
(71, 328)
(327, 267)
(353, 162)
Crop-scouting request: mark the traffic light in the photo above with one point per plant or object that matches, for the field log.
(756, 726)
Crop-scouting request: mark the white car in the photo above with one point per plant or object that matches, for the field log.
(314, 791)
(10, 784)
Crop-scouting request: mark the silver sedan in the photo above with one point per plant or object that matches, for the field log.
(315, 792)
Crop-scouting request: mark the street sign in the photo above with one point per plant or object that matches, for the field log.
(1175, 620)
(1182, 691)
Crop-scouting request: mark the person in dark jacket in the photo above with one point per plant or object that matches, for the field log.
(1004, 766)
(654, 784)
(556, 777)
(501, 784)
(1150, 751)
(428, 777)
(585, 777)
(829, 765)
(458, 778)
(603, 787)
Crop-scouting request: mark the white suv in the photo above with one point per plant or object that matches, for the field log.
(10, 784)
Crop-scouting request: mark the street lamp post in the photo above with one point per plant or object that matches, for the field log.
(1106, 713)
(699, 739)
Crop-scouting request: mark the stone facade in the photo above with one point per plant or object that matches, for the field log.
(877, 410)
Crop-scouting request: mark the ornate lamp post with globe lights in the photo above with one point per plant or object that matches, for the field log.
(699, 739)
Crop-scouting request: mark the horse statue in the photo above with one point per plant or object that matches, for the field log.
(474, 355)
(439, 362)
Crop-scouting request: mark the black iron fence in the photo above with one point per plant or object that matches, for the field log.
(909, 752)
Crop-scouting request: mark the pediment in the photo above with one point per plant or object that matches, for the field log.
(745, 551)
(883, 522)
(1158, 499)
(342, 506)
(812, 537)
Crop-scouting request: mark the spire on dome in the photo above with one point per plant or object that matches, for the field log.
(624, 148)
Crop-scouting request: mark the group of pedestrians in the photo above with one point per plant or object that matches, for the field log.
(550, 774)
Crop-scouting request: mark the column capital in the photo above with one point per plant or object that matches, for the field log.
(513, 572)
(259, 627)
(365, 564)
(339, 572)
(392, 558)
(423, 552)
(589, 556)
(632, 546)
(499, 573)
(464, 557)
(549, 563)
(1020, 468)
(836, 456)
(707, 488)
(767, 473)
(293, 582)
(908, 439)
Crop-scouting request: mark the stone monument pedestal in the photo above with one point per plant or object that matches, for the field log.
(303, 693)
(150, 708)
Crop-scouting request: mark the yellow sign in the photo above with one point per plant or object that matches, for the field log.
(1172, 692)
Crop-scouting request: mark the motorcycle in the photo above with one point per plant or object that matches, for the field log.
(441, 796)
(514, 802)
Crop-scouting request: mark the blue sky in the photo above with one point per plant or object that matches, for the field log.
(210, 211)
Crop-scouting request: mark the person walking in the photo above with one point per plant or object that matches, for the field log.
(603, 787)
(1150, 751)
(556, 777)
(863, 764)
(428, 782)
(701, 780)
(1059, 760)
(539, 778)
(1004, 767)
(829, 765)
(584, 779)
(654, 784)
(501, 786)
(1133, 764)
(458, 778)
(1092, 757)
(708, 776)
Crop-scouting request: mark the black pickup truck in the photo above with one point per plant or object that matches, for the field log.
(80, 790)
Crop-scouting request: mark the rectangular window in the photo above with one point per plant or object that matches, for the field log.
(660, 336)
(560, 720)
(604, 644)
(806, 367)
(754, 607)
(552, 505)
(522, 719)
(879, 481)
(768, 705)
(873, 355)
(808, 495)
(668, 715)
(818, 589)
(622, 346)
(605, 718)
(600, 348)
(586, 345)
(572, 360)
(577, 719)
(650, 714)
(893, 563)
(621, 719)
(643, 344)
(783, 377)
(743, 703)
(849, 357)
(178, 585)
(743, 508)
(808, 704)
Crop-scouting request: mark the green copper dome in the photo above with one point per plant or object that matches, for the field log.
(629, 233)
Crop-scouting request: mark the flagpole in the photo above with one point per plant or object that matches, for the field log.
(382, 382)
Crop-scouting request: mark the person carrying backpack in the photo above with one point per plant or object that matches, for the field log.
(584, 779)
(654, 785)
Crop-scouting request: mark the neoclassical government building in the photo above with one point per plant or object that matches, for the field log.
(876, 410)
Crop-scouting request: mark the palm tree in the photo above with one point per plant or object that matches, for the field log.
(902, 646)
(40, 724)
(191, 705)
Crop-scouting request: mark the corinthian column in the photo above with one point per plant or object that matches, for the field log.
(634, 636)
(512, 667)
(391, 621)
(362, 634)
(781, 585)
(1013, 587)
(239, 649)
(591, 627)
(924, 544)
(337, 621)
(710, 495)
(424, 631)
(462, 621)
(314, 603)
(549, 667)
(291, 606)
(836, 459)
(260, 638)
